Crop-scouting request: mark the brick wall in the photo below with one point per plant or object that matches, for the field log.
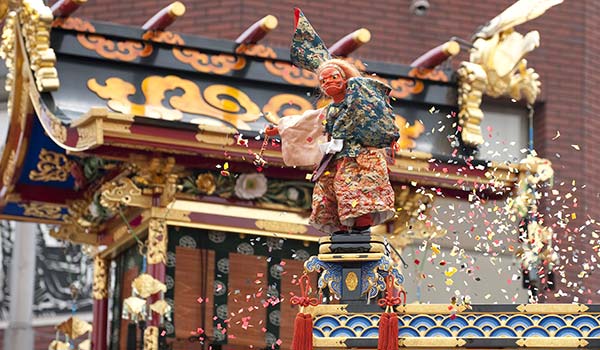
(565, 61)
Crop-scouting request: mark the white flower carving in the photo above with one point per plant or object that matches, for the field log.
(250, 186)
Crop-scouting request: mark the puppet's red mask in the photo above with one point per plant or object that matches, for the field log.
(332, 83)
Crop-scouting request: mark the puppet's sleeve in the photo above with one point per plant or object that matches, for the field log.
(373, 121)
(300, 138)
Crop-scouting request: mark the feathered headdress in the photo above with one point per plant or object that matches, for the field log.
(308, 50)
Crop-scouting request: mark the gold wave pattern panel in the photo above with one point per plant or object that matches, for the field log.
(473, 325)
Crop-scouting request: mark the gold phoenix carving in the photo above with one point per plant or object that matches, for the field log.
(100, 284)
(497, 66)
(52, 166)
(157, 241)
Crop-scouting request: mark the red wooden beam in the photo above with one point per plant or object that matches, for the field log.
(437, 55)
(350, 42)
(64, 8)
(258, 30)
(165, 17)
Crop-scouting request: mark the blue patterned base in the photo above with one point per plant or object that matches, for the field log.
(372, 280)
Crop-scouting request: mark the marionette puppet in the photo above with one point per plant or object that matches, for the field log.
(346, 141)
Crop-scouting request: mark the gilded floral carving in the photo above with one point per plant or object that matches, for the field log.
(157, 242)
(100, 284)
(206, 183)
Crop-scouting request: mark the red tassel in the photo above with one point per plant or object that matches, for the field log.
(393, 332)
(388, 332)
(383, 331)
(303, 332)
(388, 323)
(303, 325)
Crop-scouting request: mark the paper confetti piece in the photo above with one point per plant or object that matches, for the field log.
(451, 271)
(556, 136)
(576, 147)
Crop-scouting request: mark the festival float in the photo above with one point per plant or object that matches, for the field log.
(149, 148)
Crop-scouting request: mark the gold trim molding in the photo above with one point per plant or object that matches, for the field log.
(278, 226)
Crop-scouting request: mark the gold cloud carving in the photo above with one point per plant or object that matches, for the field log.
(283, 105)
(222, 102)
(205, 63)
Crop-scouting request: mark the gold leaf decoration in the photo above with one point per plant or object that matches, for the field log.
(52, 166)
(408, 133)
(42, 210)
(11, 167)
(278, 226)
(207, 63)
(146, 285)
(351, 281)
(122, 50)
(36, 22)
(221, 102)
(100, 284)
(157, 242)
(74, 327)
(283, 105)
